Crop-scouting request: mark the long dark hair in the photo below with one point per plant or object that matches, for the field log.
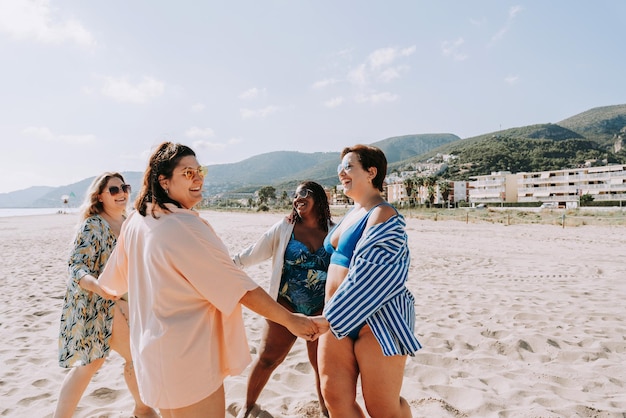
(320, 205)
(162, 163)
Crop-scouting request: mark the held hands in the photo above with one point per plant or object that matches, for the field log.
(321, 322)
(309, 328)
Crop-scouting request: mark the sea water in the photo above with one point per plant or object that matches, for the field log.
(6, 212)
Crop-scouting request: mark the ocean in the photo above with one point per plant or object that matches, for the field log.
(6, 212)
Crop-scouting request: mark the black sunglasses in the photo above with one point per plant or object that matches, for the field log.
(114, 190)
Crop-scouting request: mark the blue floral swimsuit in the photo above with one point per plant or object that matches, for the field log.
(303, 280)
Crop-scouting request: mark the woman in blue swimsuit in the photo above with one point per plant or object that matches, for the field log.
(299, 265)
(370, 311)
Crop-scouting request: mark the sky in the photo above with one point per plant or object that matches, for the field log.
(88, 87)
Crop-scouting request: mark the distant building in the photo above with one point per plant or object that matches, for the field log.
(565, 187)
(500, 186)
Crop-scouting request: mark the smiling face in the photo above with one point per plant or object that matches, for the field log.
(185, 185)
(353, 177)
(113, 197)
(303, 201)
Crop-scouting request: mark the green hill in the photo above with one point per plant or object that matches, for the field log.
(591, 135)
(587, 136)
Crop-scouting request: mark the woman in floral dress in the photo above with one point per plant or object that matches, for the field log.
(92, 325)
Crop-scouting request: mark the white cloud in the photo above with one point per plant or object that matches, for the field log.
(202, 145)
(45, 134)
(334, 102)
(513, 12)
(121, 90)
(392, 73)
(358, 76)
(324, 83)
(258, 113)
(214, 146)
(35, 20)
(511, 79)
(385, 57)
(376, 98)
(382, 57)
(408, 51)
(252, 93)
(196, 132)
(381, 65)
(452, 49)
(197, 108)
(478, 22)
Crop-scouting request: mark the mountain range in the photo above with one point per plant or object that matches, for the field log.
(593, 135)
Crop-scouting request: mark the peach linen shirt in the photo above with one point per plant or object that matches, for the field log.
(187, 331)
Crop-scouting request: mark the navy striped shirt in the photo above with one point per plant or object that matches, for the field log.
(374, 290)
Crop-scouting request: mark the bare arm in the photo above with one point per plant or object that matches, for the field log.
(90, 283)
(260, 302)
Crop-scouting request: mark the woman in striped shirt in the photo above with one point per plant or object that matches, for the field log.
(370, 310)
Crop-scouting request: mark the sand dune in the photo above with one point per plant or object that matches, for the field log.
(516, 321)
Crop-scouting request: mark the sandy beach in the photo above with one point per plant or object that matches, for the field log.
(516, 321)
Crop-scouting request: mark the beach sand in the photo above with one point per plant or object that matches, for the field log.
(516, 321)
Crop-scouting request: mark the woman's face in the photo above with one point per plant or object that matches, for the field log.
(185, 185)
(352, 175)
(303, 201)
(113, 196)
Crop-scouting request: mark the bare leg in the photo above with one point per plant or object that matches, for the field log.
(74, 385)
(120, 342)
(311, 347)
(381, 378)
(339, 372)
(213, 405)
(276, 342)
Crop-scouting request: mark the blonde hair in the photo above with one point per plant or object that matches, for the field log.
(92, 205)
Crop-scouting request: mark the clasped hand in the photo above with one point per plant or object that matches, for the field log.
(309, 327)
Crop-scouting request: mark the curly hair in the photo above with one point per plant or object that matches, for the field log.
(92, 205)
(162, 163)
(320, 206)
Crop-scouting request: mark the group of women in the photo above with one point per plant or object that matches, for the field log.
(159, 287)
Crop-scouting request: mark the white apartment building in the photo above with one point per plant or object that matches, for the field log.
(566, 186)
(500, 186)
(396, 193)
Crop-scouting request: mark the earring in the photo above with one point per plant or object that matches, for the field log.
(167, 191)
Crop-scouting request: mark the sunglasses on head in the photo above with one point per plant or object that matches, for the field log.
(114, 190)
(303, 193)
(190, 173)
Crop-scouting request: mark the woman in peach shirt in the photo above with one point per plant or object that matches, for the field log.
(185, 293)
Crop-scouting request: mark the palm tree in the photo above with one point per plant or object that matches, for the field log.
(444, 189)
(419, 183)
(409, 185)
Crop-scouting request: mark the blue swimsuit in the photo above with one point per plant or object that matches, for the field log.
(303, 281)
(345, 249)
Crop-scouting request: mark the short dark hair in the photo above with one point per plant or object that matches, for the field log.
(370, 156)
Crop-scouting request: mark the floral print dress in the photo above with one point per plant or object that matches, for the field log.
(86, 319)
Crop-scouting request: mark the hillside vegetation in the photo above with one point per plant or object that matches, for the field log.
(596, 134)
(589, 136)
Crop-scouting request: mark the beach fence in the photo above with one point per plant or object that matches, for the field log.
(558, 217)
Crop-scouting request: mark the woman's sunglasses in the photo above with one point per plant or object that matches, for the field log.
(302, 193)
(114, 190)
(190, 173)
